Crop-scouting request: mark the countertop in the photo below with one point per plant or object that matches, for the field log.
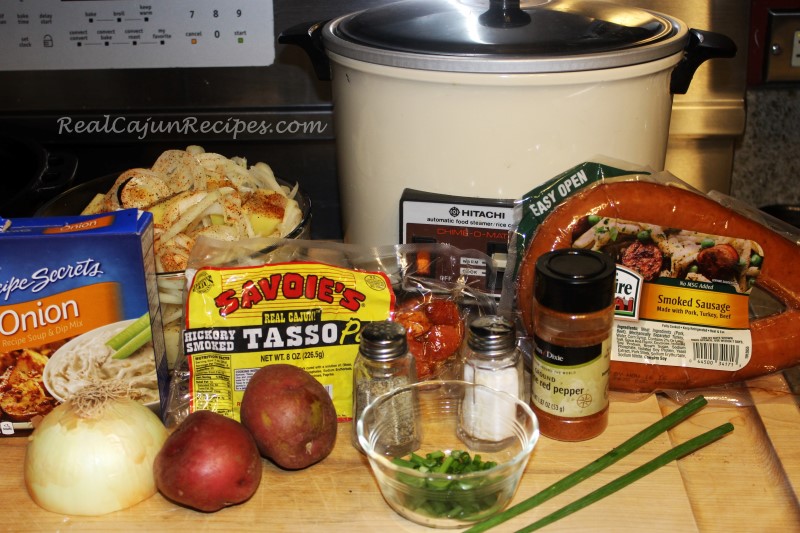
(747, 481)
(766, 159)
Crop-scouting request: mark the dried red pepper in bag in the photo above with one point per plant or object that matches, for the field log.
(434, 328)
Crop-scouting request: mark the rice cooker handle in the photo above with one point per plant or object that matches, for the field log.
(308, 36)
(702, 46)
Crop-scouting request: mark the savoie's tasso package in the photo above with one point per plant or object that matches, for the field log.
(259, 302)
(78, 303)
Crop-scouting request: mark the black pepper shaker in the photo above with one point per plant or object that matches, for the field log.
(382, 365)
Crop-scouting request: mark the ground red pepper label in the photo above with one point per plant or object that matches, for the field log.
(573, 380)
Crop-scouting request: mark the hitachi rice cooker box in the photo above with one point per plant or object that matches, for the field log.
(78, 303)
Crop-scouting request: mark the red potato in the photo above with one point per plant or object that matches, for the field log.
(209, 462)
(291, 416)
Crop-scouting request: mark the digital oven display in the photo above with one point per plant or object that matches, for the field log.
(130, 34)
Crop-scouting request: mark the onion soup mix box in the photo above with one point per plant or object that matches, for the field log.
(78, 304)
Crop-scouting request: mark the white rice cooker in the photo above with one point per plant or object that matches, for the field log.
(487, 99)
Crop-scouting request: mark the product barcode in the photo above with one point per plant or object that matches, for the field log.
(329, 388)
(727, 354)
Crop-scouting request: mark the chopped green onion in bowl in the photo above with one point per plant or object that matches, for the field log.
(456, 497)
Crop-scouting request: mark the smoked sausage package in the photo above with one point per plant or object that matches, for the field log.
(258, 302)
(707, 288)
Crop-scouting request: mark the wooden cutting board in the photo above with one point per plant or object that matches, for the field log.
(747, 481)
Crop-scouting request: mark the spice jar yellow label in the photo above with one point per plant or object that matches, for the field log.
(566, 379)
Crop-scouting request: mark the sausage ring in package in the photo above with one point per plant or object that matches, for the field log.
(708, 288)
(257, 302)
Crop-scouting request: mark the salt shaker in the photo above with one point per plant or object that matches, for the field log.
(491, 359)
(382, 365)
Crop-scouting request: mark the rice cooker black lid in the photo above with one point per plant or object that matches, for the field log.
(514, 36)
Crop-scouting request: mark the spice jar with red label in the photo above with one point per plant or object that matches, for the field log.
(573, 316)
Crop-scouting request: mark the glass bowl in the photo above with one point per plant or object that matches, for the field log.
(447, 416)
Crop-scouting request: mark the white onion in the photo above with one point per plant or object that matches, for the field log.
(94, 454)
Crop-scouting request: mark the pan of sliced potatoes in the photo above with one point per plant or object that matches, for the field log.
(193, 193)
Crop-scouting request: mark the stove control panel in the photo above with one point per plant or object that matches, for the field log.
(125, 34)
